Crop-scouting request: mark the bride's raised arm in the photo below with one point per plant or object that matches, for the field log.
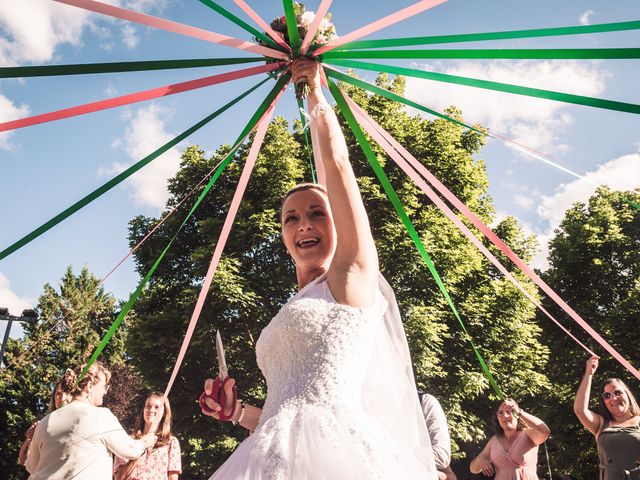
(353, 273)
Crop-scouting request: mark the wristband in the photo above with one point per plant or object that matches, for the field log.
(241, 413)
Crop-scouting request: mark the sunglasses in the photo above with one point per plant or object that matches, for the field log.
(608, 395)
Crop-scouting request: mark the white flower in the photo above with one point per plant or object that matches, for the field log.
(307, 18)
(324, 25)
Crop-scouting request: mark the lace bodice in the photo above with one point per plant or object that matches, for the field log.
(329, 370)
(312, 351)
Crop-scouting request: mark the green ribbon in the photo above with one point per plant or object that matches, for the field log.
(523, 53)
(306, 140)
(111, 67)
(393, 196)
(395, 97)
(134, 296)
(478, 37)
(121, 177)
(501, 87)
(292, 27)
(241, 23)
(633, 204)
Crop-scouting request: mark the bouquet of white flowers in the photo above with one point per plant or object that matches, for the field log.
(326, 32)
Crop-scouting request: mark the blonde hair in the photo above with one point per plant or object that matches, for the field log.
(70, 383)
(301, 187)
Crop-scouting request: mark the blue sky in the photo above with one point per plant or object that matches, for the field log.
(47, 167)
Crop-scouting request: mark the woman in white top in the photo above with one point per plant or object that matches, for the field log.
(77, 440)
(341, 401)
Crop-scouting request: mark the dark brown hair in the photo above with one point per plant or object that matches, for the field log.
(70, 383)
(496, 424)
(164, 427)
(52, 399)
(633, 404)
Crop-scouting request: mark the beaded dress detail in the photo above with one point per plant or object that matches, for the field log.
(315, 356)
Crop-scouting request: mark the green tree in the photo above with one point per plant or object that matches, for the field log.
(255, 278)
(72, 319)
(595, 267)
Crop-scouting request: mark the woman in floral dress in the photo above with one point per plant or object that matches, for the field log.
(162, 462)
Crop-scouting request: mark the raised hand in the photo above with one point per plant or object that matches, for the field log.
(307, 70)
(591, 365)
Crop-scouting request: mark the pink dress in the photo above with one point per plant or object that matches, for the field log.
(156, 464)
(517, 463)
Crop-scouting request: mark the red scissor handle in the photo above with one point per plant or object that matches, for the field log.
(219, 396)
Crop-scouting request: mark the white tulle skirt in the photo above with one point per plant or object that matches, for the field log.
(319, 443)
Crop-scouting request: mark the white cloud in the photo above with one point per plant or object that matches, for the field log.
(523, 201)
(36, 28)
(33, 29)
(130, 37)
(622, 173)
(535, 122)
(585, 18)
(11, 300)
(10, 111)
(145, 132)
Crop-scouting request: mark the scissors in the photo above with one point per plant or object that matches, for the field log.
(218, 393)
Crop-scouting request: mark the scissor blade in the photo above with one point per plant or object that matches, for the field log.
(222, 363)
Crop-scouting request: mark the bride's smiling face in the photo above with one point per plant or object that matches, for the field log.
(307, 228)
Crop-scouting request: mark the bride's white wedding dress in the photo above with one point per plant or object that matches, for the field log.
(341, 402)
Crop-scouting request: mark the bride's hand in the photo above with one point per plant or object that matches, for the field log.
(213, 405)
(307, 69)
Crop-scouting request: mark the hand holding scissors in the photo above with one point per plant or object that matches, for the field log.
(220, 394)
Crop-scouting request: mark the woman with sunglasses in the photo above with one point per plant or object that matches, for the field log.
(616, 425)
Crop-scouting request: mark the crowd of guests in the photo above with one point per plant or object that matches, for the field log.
(85, 441)
(79, 438)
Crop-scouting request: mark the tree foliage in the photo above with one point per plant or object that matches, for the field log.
(72, 319)
(256, 277)
(595, 267)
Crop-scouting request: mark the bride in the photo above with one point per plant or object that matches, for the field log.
(341, 400)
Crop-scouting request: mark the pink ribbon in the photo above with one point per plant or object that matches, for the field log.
(380, 24)
(313, 28)
(265, 26)
(165, 218)
(504, 248)
(174, 27)
(224, 235)
(384, 139)
(136, 97)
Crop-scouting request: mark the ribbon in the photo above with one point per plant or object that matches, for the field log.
(501, 87)
(387, 21)
(478, 37)
(174, 27)
(292, 27)
(504, 248)
(512, 143)
(388, 188)
(222, 239)
(241, 23)
(136, 97)
(305, 123)
(245, 132)
(267, 28)
(121, 177)
(157, 225)
(111, 67)
(392, 148)
(313, 28)
(523, 53)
